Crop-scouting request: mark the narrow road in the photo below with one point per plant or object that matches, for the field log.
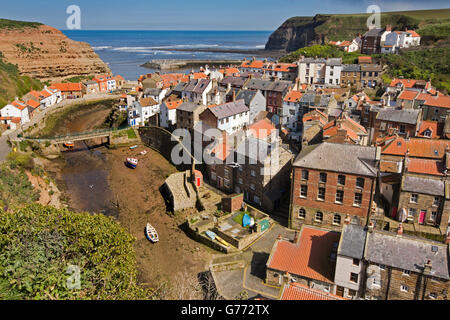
(4, 147)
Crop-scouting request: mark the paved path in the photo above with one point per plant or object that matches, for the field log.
(5, 149)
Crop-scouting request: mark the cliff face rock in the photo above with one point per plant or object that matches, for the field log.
(46, 53)
(296, 33)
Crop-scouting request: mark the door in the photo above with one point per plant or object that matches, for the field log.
(198, 182)
(422, 216)
(340, 291)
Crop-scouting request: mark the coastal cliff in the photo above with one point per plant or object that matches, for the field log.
(299, 32)
(45, 53)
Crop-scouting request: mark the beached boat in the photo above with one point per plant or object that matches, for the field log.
(132, 162)
(226, 244)
(69, 144)
(151, 233)
(144, 152)
(133, 147)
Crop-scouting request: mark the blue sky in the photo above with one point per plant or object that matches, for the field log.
(193, 14)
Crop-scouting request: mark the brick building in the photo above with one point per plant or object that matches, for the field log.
(403, 122)
(332, 182)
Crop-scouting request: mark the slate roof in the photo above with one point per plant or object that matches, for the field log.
(334, 62)
(409, 116)
(189, 106)
(345, 158)
(433, 187)
(351, 68)
(259, 84)
(313, 60)
(308, 97)
(234, 81)
(229, 109)
(152, 91)
(353, 240)
(255, 149)
(407, 253)
(247, 95)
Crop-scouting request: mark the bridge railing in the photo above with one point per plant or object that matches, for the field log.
(76, 134)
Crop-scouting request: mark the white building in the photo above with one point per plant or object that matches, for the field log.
(168, 112)
(312, 71)
(197, 90)
(292, 112)
(11, 113)
(349, 274)
(333, 69)
(155, 93)
(142, 111)
(229, 117)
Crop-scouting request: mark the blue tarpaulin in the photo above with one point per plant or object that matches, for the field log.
(246, 220)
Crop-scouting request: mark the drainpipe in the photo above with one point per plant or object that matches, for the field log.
(291, 195)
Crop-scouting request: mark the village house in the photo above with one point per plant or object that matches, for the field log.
(349, 274)
(435, 107)
(252, 66)
(309, 260)
(168, 112)
(15, 113)
(326, 192)
(373, 39)
(196, 91)
(90, 87)
(255, 101)
(351, 75)
(312, 127)
(156, 94)
(188, 115)
(273, 91)
(400, 267)
(281, 71)
(69, 90)
(142, 111)
(229, 117)
(105, 83)
(370, 75)
(292, 112)
(46, 98)
(389, 121)
(345, 130)
(312, 71)
(333, 69)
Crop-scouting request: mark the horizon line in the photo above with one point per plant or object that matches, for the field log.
(175, 30)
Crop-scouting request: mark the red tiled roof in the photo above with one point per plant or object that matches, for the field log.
(365, 59)
(407, 83)
(262, 129)
(256, 64)
(309, 257)
(413, 33)
(418, 148)
(19, 105)
(407, 95)
(67, 86)
(293, 96)
(428, 125)
(432, 167)
(173, 104)
(33, 104)
(440, 101)
(296, 291)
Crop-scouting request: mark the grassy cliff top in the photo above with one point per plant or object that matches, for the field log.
(13, 24)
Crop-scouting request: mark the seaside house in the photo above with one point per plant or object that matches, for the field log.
(229, 117)
(69, 90)
(292, 112)
(15, 113)
(168, 112)
(90, 87)
(254, 100)
(196, 91)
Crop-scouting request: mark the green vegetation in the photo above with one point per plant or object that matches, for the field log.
(425, 64)
(40, 245)
(79, 79)
(131, 134)
(12, 84)
(325, 51)
(15, 188)
(13, 24)
(116, 119)
(239, 217)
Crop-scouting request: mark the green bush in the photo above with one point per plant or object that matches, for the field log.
(39, 243)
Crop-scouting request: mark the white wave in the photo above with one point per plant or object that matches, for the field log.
(102, 47)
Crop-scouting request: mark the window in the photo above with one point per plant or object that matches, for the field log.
(253, 173)
(252, 186)
(404, 288)
(358, 199)
(323, 177)
(382, 267)
(303, 191)
(383, 126)
(360, 183)
(337, 219)
(341, 180)
(406, 272)
(433, 295)
(402, 129)
(351, 292)
(241, 181)
(301, 213)
(318, 217)
(355, 262)
(436, 202)
(414, 198)
(339, 196)
(321, 194)
(305, 174)
(433, 216)
(411, 212)
(354, 277)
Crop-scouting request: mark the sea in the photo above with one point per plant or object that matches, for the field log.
(126, 51)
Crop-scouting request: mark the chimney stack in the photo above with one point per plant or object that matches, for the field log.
(427, 267)
(400, 229)
(234, 95)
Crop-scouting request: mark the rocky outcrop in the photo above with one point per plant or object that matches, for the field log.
(295, 33)
(46, 53)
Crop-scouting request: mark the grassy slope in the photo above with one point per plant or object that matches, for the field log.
(346, 26)
(12, 84)
(13, 24)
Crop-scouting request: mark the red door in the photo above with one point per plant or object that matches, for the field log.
(422, 216)
(198, 182)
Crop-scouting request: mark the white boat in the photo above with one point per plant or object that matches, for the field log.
(144, 152)
(151, 233)
(132, 162)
